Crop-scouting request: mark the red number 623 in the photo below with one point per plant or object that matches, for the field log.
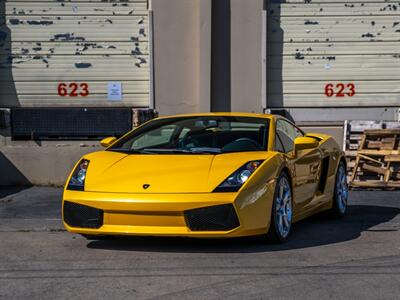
(73, 89)
(340, 90)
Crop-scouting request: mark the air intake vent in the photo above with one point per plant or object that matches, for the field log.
(82, 216)
(213, 218)
(324, 174)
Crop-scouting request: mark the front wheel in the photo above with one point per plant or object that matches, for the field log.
(282, 212)
(341, 193)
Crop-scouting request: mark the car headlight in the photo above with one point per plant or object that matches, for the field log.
(77, 181)
(235, 181)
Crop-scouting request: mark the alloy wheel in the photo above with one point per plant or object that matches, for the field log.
(283, 207)
(342, 189)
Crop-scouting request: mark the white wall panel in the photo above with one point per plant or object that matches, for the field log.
(324, 43)
(47, 43)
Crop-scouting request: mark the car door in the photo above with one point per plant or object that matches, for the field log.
(305, 164)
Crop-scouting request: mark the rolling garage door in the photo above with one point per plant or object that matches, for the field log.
(74, 53)
(333, 53)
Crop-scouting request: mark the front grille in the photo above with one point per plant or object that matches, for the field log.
(82, 216)
(212, 218)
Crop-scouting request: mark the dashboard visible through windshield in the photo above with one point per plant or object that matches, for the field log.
(197, 135)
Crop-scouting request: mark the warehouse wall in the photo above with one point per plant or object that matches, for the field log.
(183, 51)
(246, 56)
(47, 163)
(182, 41)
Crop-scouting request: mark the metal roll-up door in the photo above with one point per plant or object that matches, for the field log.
(74, 53)
(333, 53)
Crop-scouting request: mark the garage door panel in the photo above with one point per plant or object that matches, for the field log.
(332, 1)
(75, 61)
(335, 29)
(330, 48)
(318, 87)
(96, 2)
(74, 48)
(83, 67)
(64, 8)
(51, 87)
(92, 100)
(338, 75)
(328, 63)
(107, 28)
(314, 100)
(335, 9)
(79, 75)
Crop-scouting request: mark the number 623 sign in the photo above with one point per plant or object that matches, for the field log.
(340, 90)
(73, 89)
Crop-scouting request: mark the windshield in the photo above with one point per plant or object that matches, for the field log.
(197, 135)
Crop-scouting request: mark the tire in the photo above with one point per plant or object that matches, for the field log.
(340, 193)
(282, 211)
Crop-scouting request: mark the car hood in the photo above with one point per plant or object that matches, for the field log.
(162, 173)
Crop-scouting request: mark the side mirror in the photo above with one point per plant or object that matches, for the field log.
(107, 142)
(303, 143)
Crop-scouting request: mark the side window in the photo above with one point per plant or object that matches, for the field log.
(278, 144)
(287, 133)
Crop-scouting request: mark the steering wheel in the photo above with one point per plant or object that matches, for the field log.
(242, 144)
(253, 142)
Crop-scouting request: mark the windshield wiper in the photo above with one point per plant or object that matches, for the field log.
(200, 150)
(156, 150)
(128, 151)
(205, 150)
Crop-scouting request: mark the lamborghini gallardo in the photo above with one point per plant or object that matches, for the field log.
(206, 175)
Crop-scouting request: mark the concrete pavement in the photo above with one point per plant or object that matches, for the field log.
(357, 257)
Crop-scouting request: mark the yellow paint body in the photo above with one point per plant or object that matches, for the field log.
(114, 184)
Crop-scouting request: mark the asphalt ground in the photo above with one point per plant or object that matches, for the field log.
(357, 257)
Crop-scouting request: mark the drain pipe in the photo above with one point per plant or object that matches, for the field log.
(264, 33)
(151, 55)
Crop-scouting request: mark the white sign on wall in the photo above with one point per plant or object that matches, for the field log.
(114, 91)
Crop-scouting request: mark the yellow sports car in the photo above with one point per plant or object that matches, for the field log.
(206, 175)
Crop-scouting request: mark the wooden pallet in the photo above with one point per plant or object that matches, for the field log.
(377, 161)
(353, 133)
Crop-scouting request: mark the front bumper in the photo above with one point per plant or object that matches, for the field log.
(167, 214)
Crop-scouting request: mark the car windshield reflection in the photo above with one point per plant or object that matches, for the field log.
(197, 135)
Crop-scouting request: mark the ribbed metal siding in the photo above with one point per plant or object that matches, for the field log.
(314, 43)
(45, 43)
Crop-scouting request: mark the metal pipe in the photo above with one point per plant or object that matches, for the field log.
(151, 56)
(264, 58)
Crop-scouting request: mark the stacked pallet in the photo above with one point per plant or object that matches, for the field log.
(353, 134)
(377, 162)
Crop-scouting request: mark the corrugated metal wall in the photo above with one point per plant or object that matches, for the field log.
(334, 53)
(48, 46)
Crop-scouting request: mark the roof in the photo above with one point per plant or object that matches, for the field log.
(224, 114)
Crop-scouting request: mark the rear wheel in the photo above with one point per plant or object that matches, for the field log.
(282, 212)
(341, 193)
